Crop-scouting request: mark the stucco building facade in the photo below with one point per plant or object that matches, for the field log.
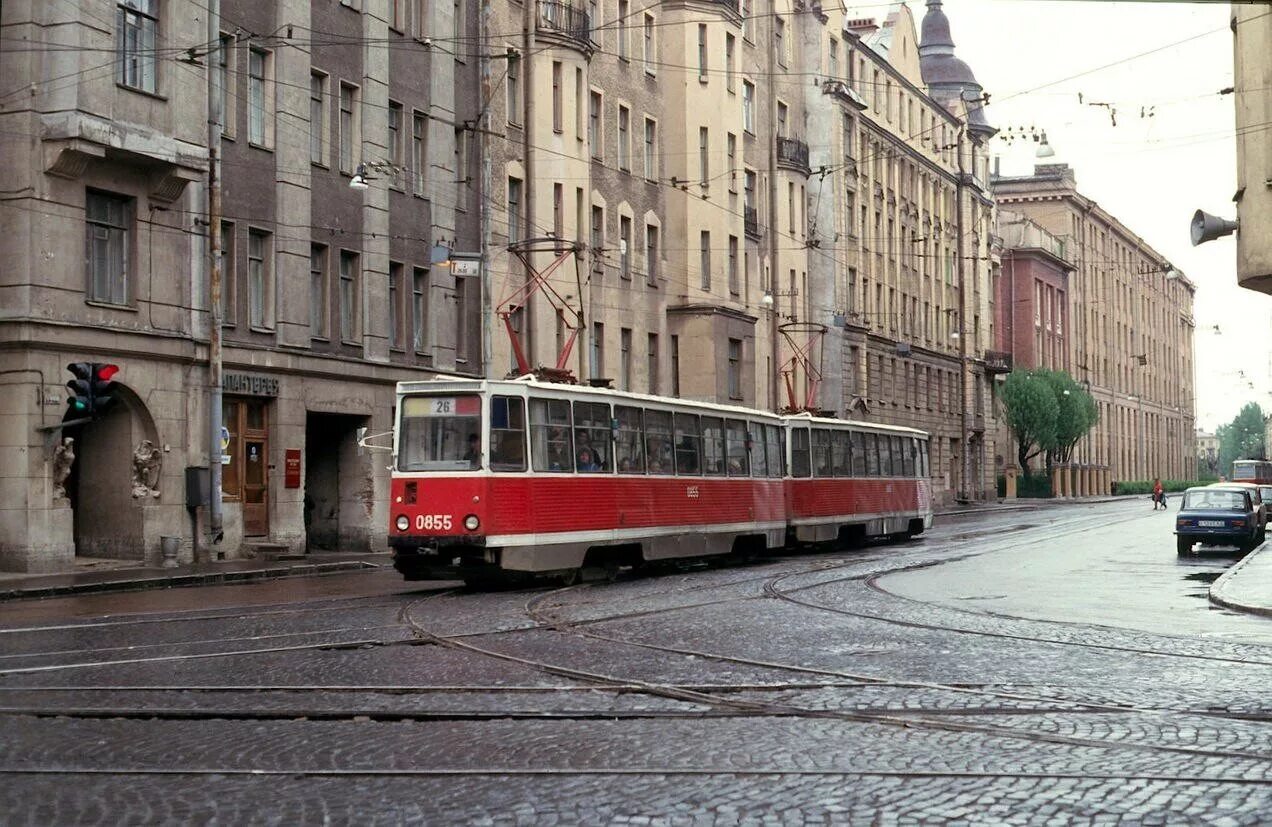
(1128, 329)
(329, 296)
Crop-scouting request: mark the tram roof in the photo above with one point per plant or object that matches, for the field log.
(475, 385)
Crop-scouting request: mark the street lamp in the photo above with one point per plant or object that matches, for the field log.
(362, 174)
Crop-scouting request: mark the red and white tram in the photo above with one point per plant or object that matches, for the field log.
(495, 479)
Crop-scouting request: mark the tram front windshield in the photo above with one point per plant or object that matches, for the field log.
(440, 433)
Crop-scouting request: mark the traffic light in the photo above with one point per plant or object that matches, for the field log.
(92, 388)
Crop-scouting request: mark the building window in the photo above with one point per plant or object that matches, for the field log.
(781, 119)
(396, 274)
(647, 52)
(556, 96)
(748, 190)
(229, 274)
(735, 368)
(651, 254)
(579, 126)
(651, 147)
(397, 15)
(730, 52)
(625, 246)
(558, 214)
(317, 118)
(625, 358)
(624, 128)
(225, 79)
(624, 12)
(651, 362)
(598, 350)
(348, 126)
(731, 157)
(260, 97)
(348, 296)
(832, 57)
(594, 123)
(779, 38)
(396, 151)
(419, 152)
(748, 106)
(675, 366)
(421, 18)
(318, 291)
(108, 218)
(137, 22)
(260, 279)
(597, 240)
(747, 8)
(514, 209)
(419, 309)
(733, 265)
(704, 258)
(702, 51)
(513, 81)
(704, 151)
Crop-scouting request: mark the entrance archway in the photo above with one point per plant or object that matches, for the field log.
(108, 520)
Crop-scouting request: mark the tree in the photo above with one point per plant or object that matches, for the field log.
(1242, 438)
(1031, 413)
(1076, 414)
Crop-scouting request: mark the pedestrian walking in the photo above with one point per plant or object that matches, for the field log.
(1159, 495)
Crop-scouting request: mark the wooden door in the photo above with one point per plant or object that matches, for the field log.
(247, 476)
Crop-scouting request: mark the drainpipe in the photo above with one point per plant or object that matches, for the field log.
(215, 526)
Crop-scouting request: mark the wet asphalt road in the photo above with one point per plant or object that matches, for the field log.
(1049, 666)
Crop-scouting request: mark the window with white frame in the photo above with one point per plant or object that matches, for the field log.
(731, 158)
(624, 136)
(735, 368)
(318, 291)
(651, 359)
(349, 305)
(651, 149)
(624, 12)
(137, 24)
(419, 309)
(625, 246)
(396, 150)
(317, 118)
(625, 358)
(704, 153)
(108, 219)
(748, 106)
(651, 254)
(779, 37)
(730, 57)
(579, 110)
(594, 123)
(513, 83)
(260, 97)
(702, 51)
(733, 265)
(557, 103)
(704, 258)
(748, 26)
(260, 279)
(419, 151)
(647, 49)
(349, 138)
(397, 333)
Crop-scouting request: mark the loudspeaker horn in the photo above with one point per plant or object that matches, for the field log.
(1206, 227)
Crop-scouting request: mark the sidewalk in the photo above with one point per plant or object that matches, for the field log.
(1247, 585)
(14, 586)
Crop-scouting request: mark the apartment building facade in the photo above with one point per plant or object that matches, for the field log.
(330, 293)
(1128, 329)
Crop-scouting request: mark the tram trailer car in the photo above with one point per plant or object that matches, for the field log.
(1252, 470)
(498, 480)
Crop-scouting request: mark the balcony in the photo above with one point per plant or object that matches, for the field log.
(997, 361)
(751, 222)
(793, 154)
(565, 20)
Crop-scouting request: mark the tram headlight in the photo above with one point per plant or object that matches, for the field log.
(403, 522)
(471, 522)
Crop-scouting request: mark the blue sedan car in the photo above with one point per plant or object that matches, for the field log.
(1217, 515)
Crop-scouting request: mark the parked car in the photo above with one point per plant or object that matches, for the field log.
(1262, 503)
(1218, 515)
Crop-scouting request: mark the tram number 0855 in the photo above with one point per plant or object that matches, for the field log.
(437, 522)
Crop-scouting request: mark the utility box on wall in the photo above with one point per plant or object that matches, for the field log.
(197, 484)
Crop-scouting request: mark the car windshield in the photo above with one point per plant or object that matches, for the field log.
(1215, 499)
(440, 433)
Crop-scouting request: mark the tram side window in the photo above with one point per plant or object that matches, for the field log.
(507, 434)
(712, 446)
(774, 448)
(592, 436)
(759, 454)
(821, 452)
(898, 451)
(872, 455)
(658, 441)
(688, 445)
(858, 454)
(923, 459)
(909, 449)
(739, 456)
(841, 452)
(550, 433)
(800, 461)
(435, 432)
(629, 450)
(885, 456)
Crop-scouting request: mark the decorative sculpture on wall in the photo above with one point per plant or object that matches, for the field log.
(63, 459)
(145, 474)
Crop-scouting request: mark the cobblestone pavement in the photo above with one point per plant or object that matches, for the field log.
(793, 691)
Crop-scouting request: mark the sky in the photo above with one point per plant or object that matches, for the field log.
(1161, 67)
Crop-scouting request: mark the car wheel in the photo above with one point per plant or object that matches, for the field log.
(1183, 545)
